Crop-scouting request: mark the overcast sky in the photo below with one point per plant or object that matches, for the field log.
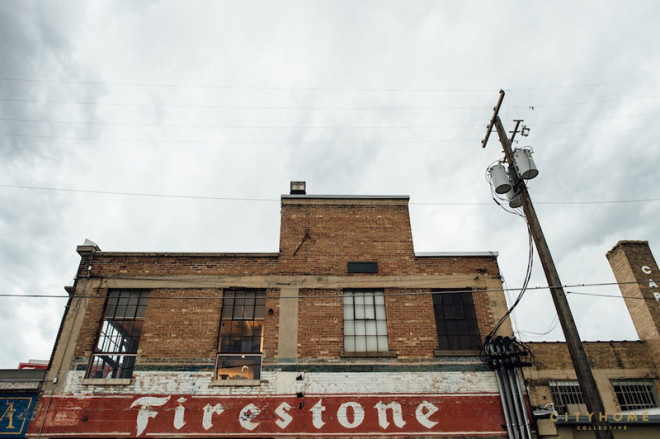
(235, 99)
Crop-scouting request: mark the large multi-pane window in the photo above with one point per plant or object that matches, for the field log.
(635, 394)
(119, 335)
(565, 392)
(456, 321)
(241, 335)
(365, 325)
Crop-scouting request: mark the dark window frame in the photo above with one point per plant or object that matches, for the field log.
(456, 321)
(119, 333)
(241, 335)
(635, 394)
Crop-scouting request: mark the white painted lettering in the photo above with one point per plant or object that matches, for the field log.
(317, 414)
(652, 284)
(178, 414)
(424, 411)
(248, 413)
(397, 417)
(358, 414)
(209, 411)
(145, 413)
(285, 417)
(646, 269)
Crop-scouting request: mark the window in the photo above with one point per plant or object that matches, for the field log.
(455, 321)
(365, 325)
(564, 393)
(635, 394)
(119, 335)
(241, 335)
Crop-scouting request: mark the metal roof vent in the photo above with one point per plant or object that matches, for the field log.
(298, 188)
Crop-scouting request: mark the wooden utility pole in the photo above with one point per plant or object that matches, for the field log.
(580, 363)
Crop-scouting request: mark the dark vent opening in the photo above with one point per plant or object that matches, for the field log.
(363, 267)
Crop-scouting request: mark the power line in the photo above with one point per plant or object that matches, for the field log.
(311, 142)
(155, 125)
(625, 116)
(280, 107)
(137, 194)
(238, 142)
(239, 126)
(370, 89)
(611, 296)
(335, 294)
(233, 107)
(204, 197)
(290, 107)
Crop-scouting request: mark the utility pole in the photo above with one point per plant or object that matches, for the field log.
(580, 363)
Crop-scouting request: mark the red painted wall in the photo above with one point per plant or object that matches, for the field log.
(336, 415)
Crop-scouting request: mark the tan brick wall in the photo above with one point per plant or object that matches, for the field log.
(601, 355)
(608, 360)
(627, 259)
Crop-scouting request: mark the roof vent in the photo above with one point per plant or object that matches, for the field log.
(298, 188)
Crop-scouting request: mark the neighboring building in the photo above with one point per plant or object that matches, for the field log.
(346, 331)
(626, 372)
(19, 389)
(34, 364)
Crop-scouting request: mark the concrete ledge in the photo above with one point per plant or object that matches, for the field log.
(457, 353)
(106, 381)
(235, 383)
(388, 354)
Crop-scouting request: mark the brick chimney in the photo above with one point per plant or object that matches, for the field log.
(635, 268)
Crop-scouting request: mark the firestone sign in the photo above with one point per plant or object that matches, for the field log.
(337, 415)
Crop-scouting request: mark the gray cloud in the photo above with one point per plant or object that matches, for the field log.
(319, 55)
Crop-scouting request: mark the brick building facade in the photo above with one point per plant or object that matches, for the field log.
(346, 331)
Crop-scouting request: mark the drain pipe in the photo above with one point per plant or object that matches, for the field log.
(504, 396)
(504, 355)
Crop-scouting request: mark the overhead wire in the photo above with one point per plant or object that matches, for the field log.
(368, 89)
(198, 280)
(274, 200)
(155, 125)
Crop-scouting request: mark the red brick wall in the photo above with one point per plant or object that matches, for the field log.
(91, 322)
(320, 328)
(411, 323)
(339, 233)
(177, 327)
(271, 325)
